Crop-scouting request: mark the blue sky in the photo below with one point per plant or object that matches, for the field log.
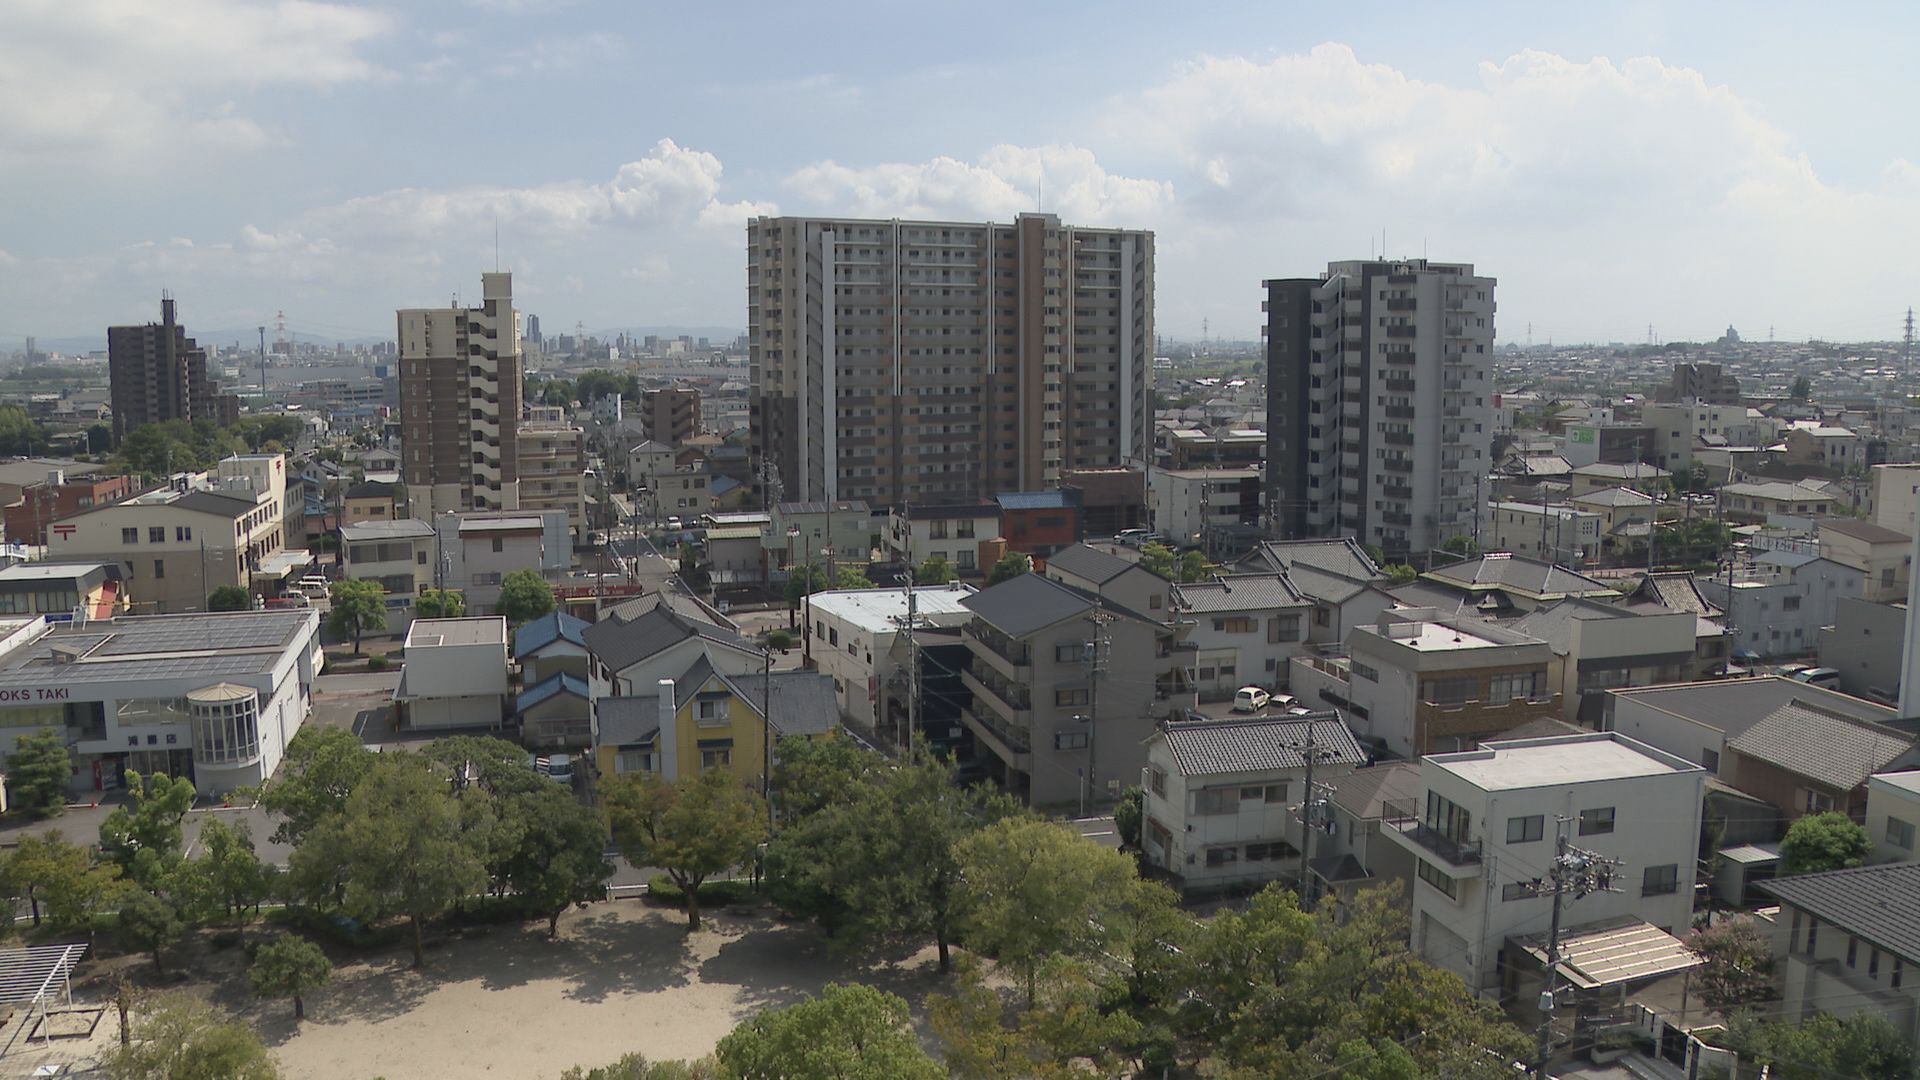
(1615, 166)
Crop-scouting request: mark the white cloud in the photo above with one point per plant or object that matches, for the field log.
(1005, 181)
(130, 75)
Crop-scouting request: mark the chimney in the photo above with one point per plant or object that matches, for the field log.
(668, 741)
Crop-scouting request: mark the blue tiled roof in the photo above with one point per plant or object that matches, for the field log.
(1033, 500)
(560, 683)
(545, 630)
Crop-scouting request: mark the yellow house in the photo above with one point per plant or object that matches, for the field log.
(372, 500)
(706, 719)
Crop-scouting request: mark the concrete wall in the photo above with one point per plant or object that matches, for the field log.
(1863, 644)
(1887, 800)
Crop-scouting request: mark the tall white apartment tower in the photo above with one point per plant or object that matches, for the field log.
(1378, 415)
(941, 362)
(460, 375)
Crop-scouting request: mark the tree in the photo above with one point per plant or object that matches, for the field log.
(149, 922)
(1127, 817)
(229, 598)
(322, 767)
(233, 876)
(1068, 1032)
(144, 841)
(1863, 1046)
(558, 858)
(292, 967)
(524, 596)
(847, 1033)
(1802, 388)
(935, 571)
(37, 772)
(852, 577)
(398, 848)
(691, 572)
(1159, 559)
(45, 869)
(1817, 842)
(99, 439)
(1194, 566)
(439, 604)
(20, 434)
(1738, 968)
(804, 581)
(1035, 889)
(779, 639)
(1011, 565)
(1462, 546)
(692, 829)
(181, 1037)
(1399, 573)
(358, 606)
(637, 1067)
(815, 774)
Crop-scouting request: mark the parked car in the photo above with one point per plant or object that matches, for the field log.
(1251, 699)
(1826, 677)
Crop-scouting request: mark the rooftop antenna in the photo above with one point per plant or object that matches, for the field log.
(496, 242)
(1039, 182)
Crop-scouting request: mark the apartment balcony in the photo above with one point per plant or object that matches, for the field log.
(1455, 858)
(1012, 744)
(1016, 656)
(1397, 465)
(1404, 304)
(1398, 356)
(1398, 412)
(1397, 438)
(1011, 700)
(1396, 491)
(1450, 410)
(1392, 518)
(1402, 331)
(1401, 386)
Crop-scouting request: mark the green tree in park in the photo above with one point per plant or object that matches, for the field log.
(692, 829)
(1069, 1031)
(1738, 963)
(557, 858)
(20, 434)
(1158, 559)
(1031, 890)
(935, 571)
(62, 879)
(637, 1067)
(1128, 815)
(321, 768)
(37, 772)
(847, 1033)
(1011, 565)
(397, 848)
(181, 1037)
(812, 775)
(1817, 842)
(440, 604)
(149, 922)
(358, 606)
(232, 876)
(229, 598)
(289, 967)
(524, 596)
(145, 840)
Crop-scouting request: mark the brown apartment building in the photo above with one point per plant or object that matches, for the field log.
(460, 373)
(157, 373)
(671, 416)
(937, 362)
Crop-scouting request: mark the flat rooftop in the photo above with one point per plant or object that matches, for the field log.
(1432, 635)
(480, 630)
(875, 610)
(1550, 762)
(133, 648)
(512, 524)
(50, 571)
(1908, 781)
(385, 530)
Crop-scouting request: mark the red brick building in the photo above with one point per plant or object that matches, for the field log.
(55, 498)
(1040, 523)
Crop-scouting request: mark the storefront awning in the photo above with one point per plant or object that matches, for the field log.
(1613, 952)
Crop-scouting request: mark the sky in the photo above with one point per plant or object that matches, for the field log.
(1622, 169)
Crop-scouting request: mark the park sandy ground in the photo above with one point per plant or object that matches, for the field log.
(503, 1001)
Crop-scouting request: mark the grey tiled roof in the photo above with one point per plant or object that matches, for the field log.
(1862, 530)
(1678, 590)
(1089, 563)
(626, 721)
(803, 701)
(1878, 903)
(1258, 743)
(1239, 592)
(1339, 556)
(622, 643)
(1325, 585)
(1822, 746)
(1731, 706)
(1021, 605)
(1517, 573)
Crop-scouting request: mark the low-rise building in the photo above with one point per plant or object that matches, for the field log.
(1483, 837)
(1355, 853)
(63, 591)
(1105, 573)
(1852, 944)
(455, 675)
(556, 708)
(1804, 759)
(1637, 475)
(1863, 644)
(1224, 797)
(1420, 682)
(483, 546)
(1696, 720)
(397, 555)
(1217, 510)
(1598, 647)
(1893, 812)
(853, 633)
(658, 636)
(56, 497)
(1563, 534)
(1759, 503)
(706, 719)
(1880, 554)
(372, 500)
(1040, 522)
(801, 531)
(1506, 584)
(1779, 600)
(954, 533)
(1245, 629)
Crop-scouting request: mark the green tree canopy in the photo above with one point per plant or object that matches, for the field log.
(150, 922)
(38, 770)
(852, 577)
(847, 1033)
(229, 598)
(1801, 388)
(524, 596)
(321, 768)
(1738, 968)
(144, 840)
(1399, 573)
(1863, 1046)
(637, 1067)
(557, 857)
(692, 829)
(358, 606)
(1817, 842)
(20, 434)
(935, 571)
(47, 870)
(440, 604)
(1010, 565)
(232, 877)
(180, 1037)
(158, 450)
(1158, 559)
(803, 581)
(292, 967)
(1128, 815)
(1194, 566)
(261, 431)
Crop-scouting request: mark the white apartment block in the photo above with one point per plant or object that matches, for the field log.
(1378, 412)
(932, 362)
(1485, 833)
(553, 470)
(460, 373)
(1210, 509)
(853, 637)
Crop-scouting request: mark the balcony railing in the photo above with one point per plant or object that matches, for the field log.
(1013, 652)
(1404, 818)
(1015, 696)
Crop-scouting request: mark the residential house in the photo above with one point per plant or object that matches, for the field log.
(1337, 575)
(1879, 553)
(706, 719)
(1483, 839)
(1893, 811)
(1040, 523)
(1695, 721)
(397, 555)
(799, 532)
(1597, 647)
(1419, 682)
(1561, 534)
(1779, 600)
(1894, 491)
(483, 546)
(1506, 584)
(1245, 629)
(1358, 807)
(1224, 798)
(1637, 475)
(684, 492)
(1066, 685)
(1105, 573)
(1216, 510)
(736, 554)
(1804, 759)
(556, 709)
(1625, 514)
(853, 633)
(371, 500)
(640, 642)
(1678, 590)
(646, 461)
(455, 675)
(1852, 944)
(1821, 446)
(955, 533)
(1758, 503)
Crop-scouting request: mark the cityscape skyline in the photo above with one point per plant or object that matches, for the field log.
(287, 162)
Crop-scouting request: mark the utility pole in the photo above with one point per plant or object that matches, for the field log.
(766, 733)
(913, 664)
(1579, 872)
(263, 364)
(1096, 656)
(1312, 809)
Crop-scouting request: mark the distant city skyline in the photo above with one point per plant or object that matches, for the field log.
(1615, 170)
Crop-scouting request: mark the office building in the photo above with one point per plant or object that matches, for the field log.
(1378, 419)
(157, 373)
(460, 376)
(946, 362)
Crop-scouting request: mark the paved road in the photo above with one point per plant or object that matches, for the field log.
(1100, 830)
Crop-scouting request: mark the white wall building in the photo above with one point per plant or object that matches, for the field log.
(1779, 602)
(1246, 628)
(455, 675)
(1893, 813)
(854, 632)
(1555, 533)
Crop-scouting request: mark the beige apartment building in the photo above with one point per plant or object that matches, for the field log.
(553, 467)
(460, 374)
(936, 362)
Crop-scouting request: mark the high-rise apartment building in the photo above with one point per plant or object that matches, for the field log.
(460, 376)
(157, 373)
(671, 416)
(941, 362)
(1708, 384)
(1379, 424)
